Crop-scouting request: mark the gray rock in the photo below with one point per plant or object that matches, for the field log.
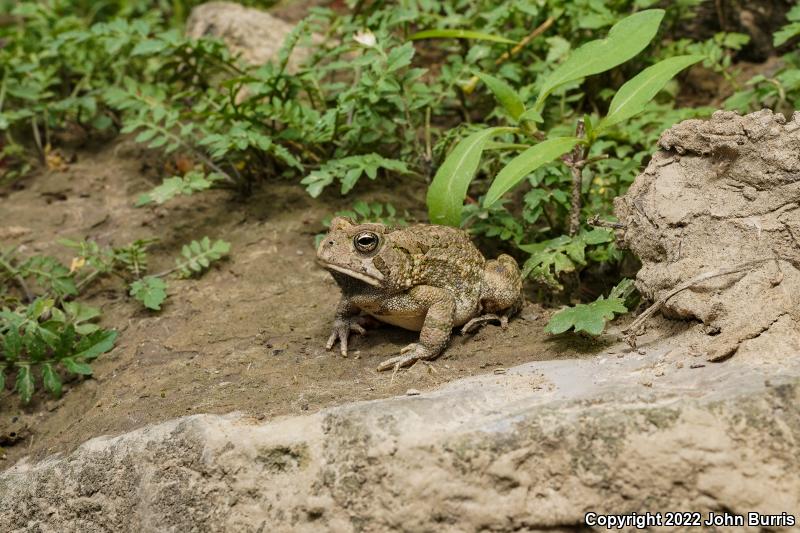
(253, 33)
(530, 450)
(722, 194)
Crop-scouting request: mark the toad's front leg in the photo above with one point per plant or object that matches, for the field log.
(440, 305)
(343, 324)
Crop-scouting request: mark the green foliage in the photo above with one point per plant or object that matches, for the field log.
(41, 338)
(791, 30)
(449, 187)
(542, 141)
(366, 212)
(525, 163)
(635, 94)
(348, 171)
(780, 89)
(192, 182)
(552, 257)
(458, 34)
(627, 38)
(149, 290)
(197, 256)
(591, 318)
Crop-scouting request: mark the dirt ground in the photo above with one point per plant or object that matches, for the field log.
(248, 336)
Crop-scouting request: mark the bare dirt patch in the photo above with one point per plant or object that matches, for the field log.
(248, 336)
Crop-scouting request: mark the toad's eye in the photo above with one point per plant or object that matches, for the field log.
(366, 241)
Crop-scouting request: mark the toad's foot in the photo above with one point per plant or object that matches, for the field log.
(341, 330)
(477, 322)
(408, 356)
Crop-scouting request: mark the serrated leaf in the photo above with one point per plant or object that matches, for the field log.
(95, 344)
(635, 94)
(149, 47)
(145, 136)
(446, 193)
(626, 39)
(51, 380)
(24, 384)
(459, 34)
(525, 163)
(76, 367)
(506, 95)
(591, 317)
(151, 291)
(399, 57)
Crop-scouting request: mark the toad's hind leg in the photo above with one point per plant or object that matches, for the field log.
(436, 328)
(501, 293)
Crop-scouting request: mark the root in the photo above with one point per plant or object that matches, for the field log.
(637, 326)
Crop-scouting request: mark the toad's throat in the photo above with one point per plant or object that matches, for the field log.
(362, 276)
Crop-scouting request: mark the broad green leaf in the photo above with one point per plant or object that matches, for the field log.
(459, 34)
(76, 367)
(449, 187)
(634, 95)
(12, 344)
(626, 38)
(149, 46)
(507, 96)
(590, 317)
(24, 383)
(525, 163)
(399, 57)
(95, 344)
(151, 291)
(51, 380)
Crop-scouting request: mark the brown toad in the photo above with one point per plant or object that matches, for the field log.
(424, 278)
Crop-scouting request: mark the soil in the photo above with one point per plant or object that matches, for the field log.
(247, 336)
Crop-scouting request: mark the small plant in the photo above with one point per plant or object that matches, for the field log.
(45, 340)
(559, 195)
(131, 264)
(591, 318)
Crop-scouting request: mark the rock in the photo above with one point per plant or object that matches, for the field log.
(480, 454)
(255, 34)
(722, 194)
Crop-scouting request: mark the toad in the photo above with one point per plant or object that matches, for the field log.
(424, 278)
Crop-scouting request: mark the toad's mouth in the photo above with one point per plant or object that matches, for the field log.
(372, 279)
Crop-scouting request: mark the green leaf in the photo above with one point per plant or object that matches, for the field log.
(12, 344)
(51, 380)
(95, 344)
(76, 367)
(507, 96)
(149, 46)
(399, 57)
(24, 385)
(525, 163)
(591, 317)
(449, 187)
(188, 184)
(151, 291)
(784, 34)
(145, 136)
(459, 34)
(626, 38)
(634, 95)
(200, 254)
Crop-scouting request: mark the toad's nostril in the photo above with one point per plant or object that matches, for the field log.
(331, 243)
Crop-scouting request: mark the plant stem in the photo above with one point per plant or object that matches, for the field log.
(576, 161)
(20, 281)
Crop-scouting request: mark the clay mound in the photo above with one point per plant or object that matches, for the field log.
(721, 196)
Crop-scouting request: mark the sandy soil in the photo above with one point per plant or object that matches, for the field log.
(248, 336)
